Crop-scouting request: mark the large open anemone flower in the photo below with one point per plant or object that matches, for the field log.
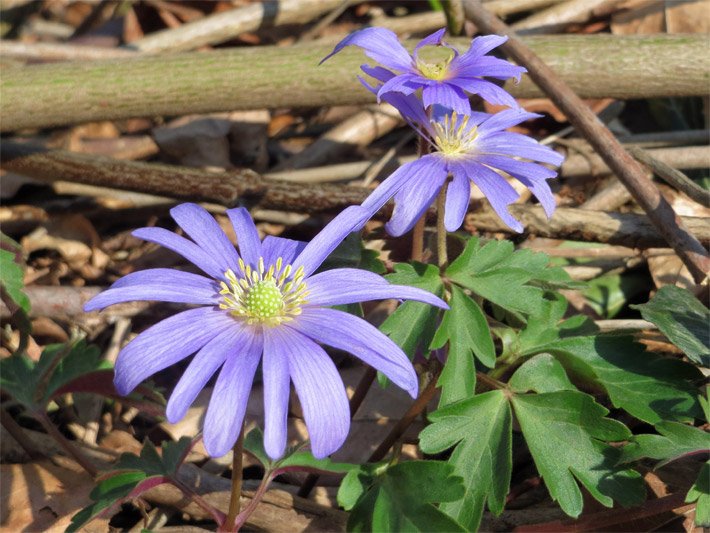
(466, 147)
(262, 304)
(444, 82)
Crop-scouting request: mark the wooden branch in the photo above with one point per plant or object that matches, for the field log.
(625, 229)
(226, 25)
(37, 96)
(225, 188)
(689, 249)
(231, 188)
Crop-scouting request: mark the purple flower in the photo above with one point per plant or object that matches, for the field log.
(445, 82)
(468, 147)
(262, 304)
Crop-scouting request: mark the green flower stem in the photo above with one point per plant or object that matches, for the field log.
(235, 499)
(441, 252)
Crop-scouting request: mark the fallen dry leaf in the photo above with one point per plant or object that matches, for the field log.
(41, 496)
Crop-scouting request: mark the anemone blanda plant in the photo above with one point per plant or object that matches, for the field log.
(443, 82)
(263, 303)
(470, 147)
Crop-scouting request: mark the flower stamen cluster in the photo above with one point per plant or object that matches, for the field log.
(434, 71)
(264, 296)
(453, 137)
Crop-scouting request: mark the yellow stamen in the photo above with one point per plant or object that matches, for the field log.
(264, 296)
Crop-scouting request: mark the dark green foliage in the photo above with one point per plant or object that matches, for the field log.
(683, 319)
(402, 497)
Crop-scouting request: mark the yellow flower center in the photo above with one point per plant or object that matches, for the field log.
(434, 70)
(453, 138)
(261, 296)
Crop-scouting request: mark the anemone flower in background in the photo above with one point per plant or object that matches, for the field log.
(262, 304)
(445, 82)
(469, 147)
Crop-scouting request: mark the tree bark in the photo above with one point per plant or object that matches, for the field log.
(38, 96)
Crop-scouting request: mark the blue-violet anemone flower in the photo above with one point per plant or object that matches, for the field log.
(262, 304)
(444, 82)
(467, 147)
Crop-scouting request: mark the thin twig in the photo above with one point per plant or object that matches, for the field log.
(412, 413)
(671, 176)
(15, 430)
(629, 171)
(66, 444)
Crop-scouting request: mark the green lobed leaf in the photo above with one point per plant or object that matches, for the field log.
(34, 384)
(254, 444)
(700, 493)
(683, 319)
(542, 373)
(675, 440)
(302, 460)
(647, 386)
(513, 280)
(481, 429)
(566, 432)
(110, 493)
(19, 379)
(151, 463)
(650, 387)
(400, 497)
(82, 359)
(413, 324)
(465, 328)
(11, 279)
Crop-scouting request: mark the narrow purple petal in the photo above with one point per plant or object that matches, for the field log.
(494, 187)
(379, 44)
(448, 95)
(158, 284)
(275, 247)
(415, 171)
(207, 234)
(381, 74)
(479, 47)
(247, 235)
(276, 392)
(411, 109)
(404, 83)
(166, 343)
(228, 404)
(201, 369)
(182, 246)
(531, 175)
(458, 196)
(351, 219)
(490, 92)
(412, 200)
(350, 285)
(505, 119)
(435, 39)
(356, 336)
(491, 67)
(518, 145)
(320, 391)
